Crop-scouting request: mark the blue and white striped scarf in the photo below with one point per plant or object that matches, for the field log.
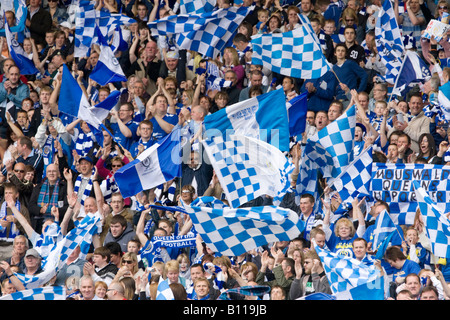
(84, 143)
(87, 190)
(109, 186)
(170, 193)
(13, 230)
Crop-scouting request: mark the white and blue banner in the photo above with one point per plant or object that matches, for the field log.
(435, 221)
(156, 165)
(413, 70)
(44, 293)
(73, 101)
(346, 274)
(80, 236)
(151, 251)
(383, 232)
(232, 232)
(86, 21)
(208, 33)
(331, 148)
(294, 53)
(25, 65)
(297, 108)
(263, 117)
(196, 6)
(107, 69)
(355, 180)
(248, 168)
(388, 40)
(393, 183)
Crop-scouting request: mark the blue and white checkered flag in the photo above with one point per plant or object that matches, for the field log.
(248, 168)
(388, 39)
(163, 292)
(79, 236)
(196, 6)
(307, 178)
(232, 232)
(213, 79)
(85, 22)
(355, 180)
(294, 53)
(44, 293)
(436, 223)
(332, 147)
(87, 18)
(207, 33)
(345, 273)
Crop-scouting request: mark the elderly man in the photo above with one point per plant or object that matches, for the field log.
(51, 192)
(175, 64)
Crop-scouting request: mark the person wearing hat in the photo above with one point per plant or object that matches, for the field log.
(32, 262)
(83, 185)
(175, 64)
(360, 132)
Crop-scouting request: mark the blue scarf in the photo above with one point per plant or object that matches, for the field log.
(8, 234)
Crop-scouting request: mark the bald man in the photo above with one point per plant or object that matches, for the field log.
(51, 192)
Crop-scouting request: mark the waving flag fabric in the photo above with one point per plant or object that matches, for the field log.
(248, 168)
(25, 65)
(388, 40)
(297, 108)
(332, 147)
(345, 273)
(436, 223)
(107, 69)
(413, 69)
(383, 232)
(232, 232)
(355, 180)
(263, 117)
(196, 6)
(158, 164)
(207, 33)
(44, 293)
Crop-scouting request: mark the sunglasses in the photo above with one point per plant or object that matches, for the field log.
(19, 171)
(127, 261)
(443, 8)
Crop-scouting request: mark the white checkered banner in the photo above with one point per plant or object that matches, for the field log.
(248, 168)
(437, 225)
(393, 183)
(207, 33)
(232, 232)
(294, 53)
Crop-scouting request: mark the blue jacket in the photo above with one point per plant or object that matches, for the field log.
(324, 95)
(350, 73)
(16, 96)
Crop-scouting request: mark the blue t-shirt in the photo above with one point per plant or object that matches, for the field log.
(120, 138)
(158, 132)
(408, 267)
(341, 246)
(134, 147)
